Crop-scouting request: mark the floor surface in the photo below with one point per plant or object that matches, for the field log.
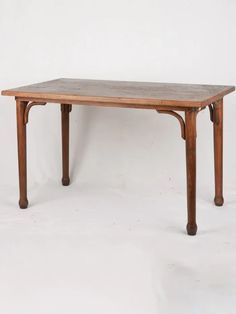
(90, 249)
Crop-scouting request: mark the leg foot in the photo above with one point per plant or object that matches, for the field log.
(23, 204)
(191, 229)
(219, 201)
(65, 181)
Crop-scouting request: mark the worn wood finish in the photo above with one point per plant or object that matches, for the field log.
(190, 133)
(218, 151)
(65, 124)
(132, 94)
(21, 137)
(163, 97)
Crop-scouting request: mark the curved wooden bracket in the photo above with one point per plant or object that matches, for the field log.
(28, 107)
(180, 119)
(211, 110)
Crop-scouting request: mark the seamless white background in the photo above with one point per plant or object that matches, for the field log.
(114, 241)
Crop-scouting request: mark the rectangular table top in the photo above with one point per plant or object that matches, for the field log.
(122, 93)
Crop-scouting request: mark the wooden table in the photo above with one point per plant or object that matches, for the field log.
(162, 97)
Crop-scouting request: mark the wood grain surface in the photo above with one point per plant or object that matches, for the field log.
(122, 93)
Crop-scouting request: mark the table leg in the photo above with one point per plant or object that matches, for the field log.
(218, 151)
(65, 123)
(190, 125)
(22, 163)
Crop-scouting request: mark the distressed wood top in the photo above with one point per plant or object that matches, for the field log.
(121, 93)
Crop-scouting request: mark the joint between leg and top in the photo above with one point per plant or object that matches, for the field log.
(180, 118)
(66, 108)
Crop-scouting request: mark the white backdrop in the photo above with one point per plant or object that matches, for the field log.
(114, 242)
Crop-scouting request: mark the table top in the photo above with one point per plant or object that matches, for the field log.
(122, 93)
